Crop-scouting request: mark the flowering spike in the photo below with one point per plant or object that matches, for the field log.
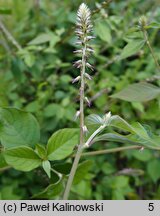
(84, 27)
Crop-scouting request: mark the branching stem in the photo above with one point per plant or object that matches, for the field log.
(88, 143)
(107, 151)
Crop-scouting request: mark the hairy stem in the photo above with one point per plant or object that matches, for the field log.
(79, 151)
(151, 49)
(9, 35)
(107, 151)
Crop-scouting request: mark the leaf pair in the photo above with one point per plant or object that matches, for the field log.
(138, 134)
(60, 145)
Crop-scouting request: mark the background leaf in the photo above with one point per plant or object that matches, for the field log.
(50, 192)
(82, 171)
(131, 48)
(103, 31)
(139, 92)
(40, 39)
(152, 168)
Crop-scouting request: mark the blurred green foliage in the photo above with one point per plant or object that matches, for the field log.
(37, 78)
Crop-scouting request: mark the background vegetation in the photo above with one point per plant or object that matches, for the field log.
(36, 74)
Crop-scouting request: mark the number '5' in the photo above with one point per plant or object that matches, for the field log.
(151, 206)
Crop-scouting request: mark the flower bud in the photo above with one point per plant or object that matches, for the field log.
(141, 149)
(87, 101)
(142, 22)
(78, 64)
(88, 76)
(90, 66)
(76, 79)
(77, 115)
(106, 117)
(85, 129)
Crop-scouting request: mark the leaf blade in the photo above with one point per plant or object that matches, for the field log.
(22, 158)
(138, 92)
(61, 143)
(47, 167)
(131, 48)
(18, 128)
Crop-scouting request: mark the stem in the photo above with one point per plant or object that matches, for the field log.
(9, 35)
(107, 151)
(151, 49)
(59, 174)
(87, 144)
(103, 5)
(80, 147)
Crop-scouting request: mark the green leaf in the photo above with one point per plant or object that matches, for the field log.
(94, 119)
(3, 163)
(18, 128)
(40, 39)
(115, 137)
(153, 168)
(120, 182)
(144, 155)
(41, 151)
(61, 143)
(108, 168)
(9, 193)
(139, 135)
(22, 158)
(29, 59)
(54, 39)
(82, 171)
(145, 137)
(154, 25)
(18, 68)
(51, 110)
(131, 48)
(139, 92)
(50, 192)
(33, 106)
(47, 167)
(63, 168)
(103, 31)
(55, 177)
(118, 122)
